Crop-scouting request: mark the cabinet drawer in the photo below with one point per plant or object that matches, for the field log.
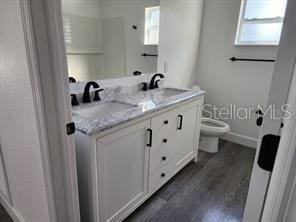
(159, 177)
(164, 130)
(159, 158)
(163, 127)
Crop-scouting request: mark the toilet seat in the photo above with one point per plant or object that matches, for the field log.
(212, 127)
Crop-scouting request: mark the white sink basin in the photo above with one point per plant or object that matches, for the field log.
(168, 92)
(102, 110)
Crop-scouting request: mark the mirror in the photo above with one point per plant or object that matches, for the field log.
(109, 38)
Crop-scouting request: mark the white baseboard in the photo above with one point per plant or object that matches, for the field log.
(241, 139)
(12, 212)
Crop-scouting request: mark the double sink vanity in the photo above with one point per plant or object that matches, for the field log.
(130, 144)
(132, 135)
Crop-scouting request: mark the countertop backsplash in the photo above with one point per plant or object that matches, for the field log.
(113, 88)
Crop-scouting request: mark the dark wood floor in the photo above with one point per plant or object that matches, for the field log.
(4, 216)
(213, 190)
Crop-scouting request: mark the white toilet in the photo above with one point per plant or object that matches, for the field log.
(210, 131)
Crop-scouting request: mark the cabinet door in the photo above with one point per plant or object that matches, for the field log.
(122, 170)
(187, 134)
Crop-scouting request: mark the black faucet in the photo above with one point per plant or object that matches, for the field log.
(74, 100)
(86, 93)
(72, 79)
(154, 84)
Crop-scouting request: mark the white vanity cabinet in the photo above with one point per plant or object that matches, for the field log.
(175, 142)
(123, 170)
(186, 141)
(164, 130)
(119, 169)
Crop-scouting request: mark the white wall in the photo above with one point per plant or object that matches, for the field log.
(96, 66)
(84, 66)
(243, 83)
(18, 132)
(291, 212)
(113, 35)
(82, 8)
(133, 13)
(180, 23)
(178, 50)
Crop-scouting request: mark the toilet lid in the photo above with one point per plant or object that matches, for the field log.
(213, 127)
(211, 124)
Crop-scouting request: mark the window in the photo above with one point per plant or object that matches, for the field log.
(67, 31)
(151, 36)
(260, 22)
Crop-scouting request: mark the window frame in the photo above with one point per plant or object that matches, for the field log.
(242, 21)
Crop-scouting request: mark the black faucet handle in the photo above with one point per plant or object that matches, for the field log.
(86, 93)
(93, 83)
(144, 86)
(72, 79)
(156, 84)
(137, 73)
(74, 100)
(97, 95)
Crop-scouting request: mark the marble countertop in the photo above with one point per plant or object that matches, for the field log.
(142, 103)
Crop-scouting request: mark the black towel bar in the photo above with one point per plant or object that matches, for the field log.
(233, 59)
(145, 54)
